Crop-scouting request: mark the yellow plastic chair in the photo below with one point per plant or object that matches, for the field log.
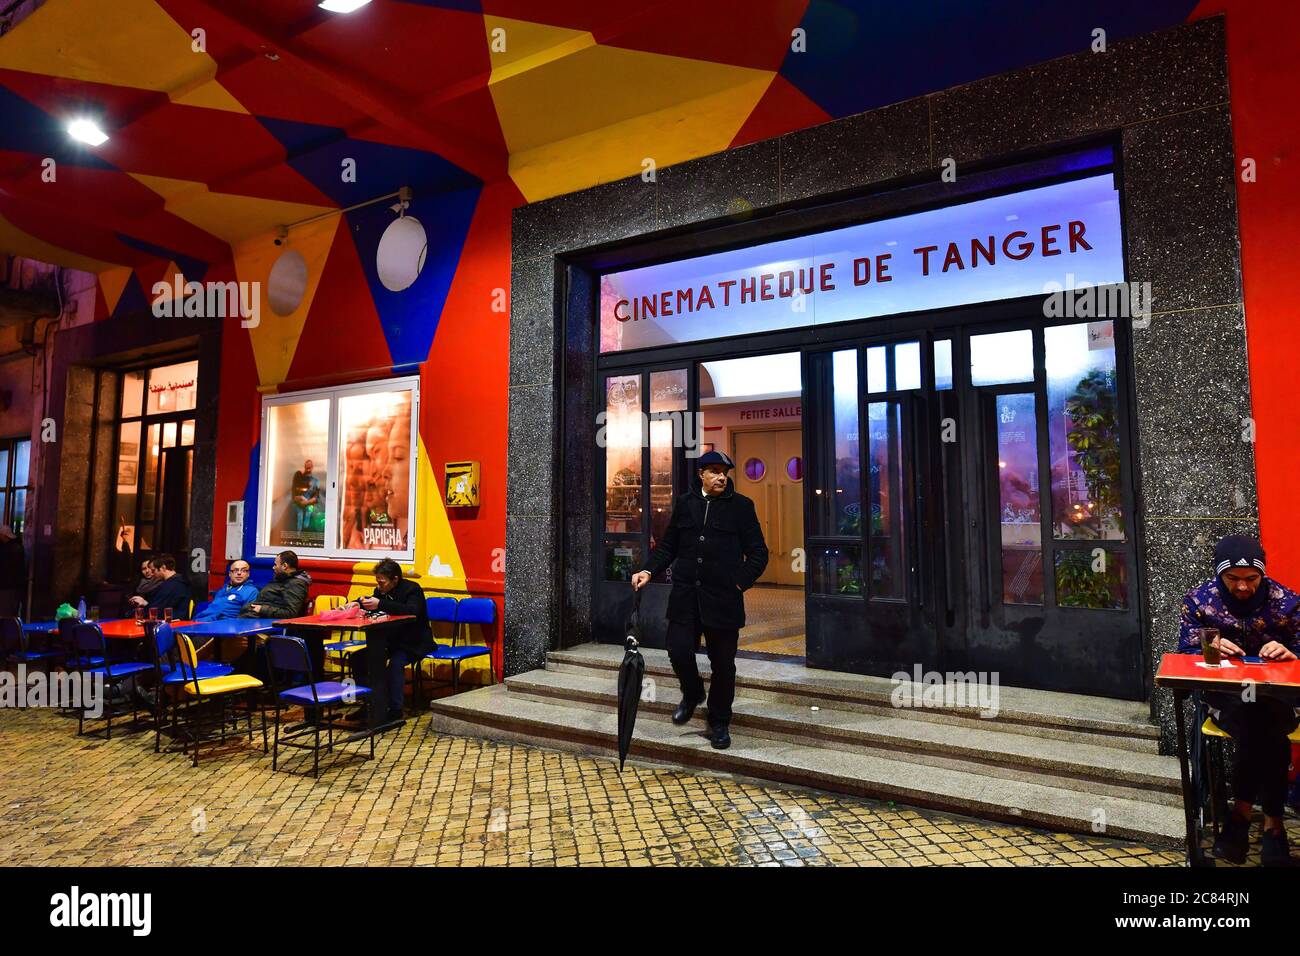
(340, 643)
(1218, 799)
(219, 689)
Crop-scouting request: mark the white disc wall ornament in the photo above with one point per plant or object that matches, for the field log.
(401, 252)
(287, 283)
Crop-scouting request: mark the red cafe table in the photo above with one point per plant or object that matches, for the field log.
(1185, 673)
(128, 628)
(314, 631)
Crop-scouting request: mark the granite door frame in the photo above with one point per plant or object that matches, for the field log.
(1162, 96)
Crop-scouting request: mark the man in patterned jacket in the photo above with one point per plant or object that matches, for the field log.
(1255, 616)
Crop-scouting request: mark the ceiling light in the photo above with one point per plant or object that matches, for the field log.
(87, 131)
(342, 6)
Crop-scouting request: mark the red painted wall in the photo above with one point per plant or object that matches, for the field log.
(1264, 77)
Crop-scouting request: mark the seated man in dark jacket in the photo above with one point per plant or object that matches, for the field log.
(285, 595)
(408, 642)
(1252, 615)
(172, 590)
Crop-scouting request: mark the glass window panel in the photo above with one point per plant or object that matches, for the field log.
(1019, 508)
(173, 388)
(4, 465)
(907, 365)
(794, 469)
(661, 478)
(835, 570)
(624, 436)
(4, 503)
(755, 469)
(375, 462)
(22, 456)
(1092, 579)
(19, 519)
(169, 435)
(622, 559)
(297, 475)
(128, 474)
(668, 391)
(1083, 431)
(876, 359)
(943, 364)
(132, 394)
(187, 432)
(848, 467)
(149, 468)
(883, 423)
(1002, 357)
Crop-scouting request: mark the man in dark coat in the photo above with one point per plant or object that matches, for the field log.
(285, 595)
(408, 642)
(1249, 614)
(715, 546)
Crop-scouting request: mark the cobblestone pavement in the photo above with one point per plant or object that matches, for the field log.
(72, 801)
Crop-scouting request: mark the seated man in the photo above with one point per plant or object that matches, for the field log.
(1258, 617)
(408, 642)
(285, 595)
(232, 597)
(172, 591)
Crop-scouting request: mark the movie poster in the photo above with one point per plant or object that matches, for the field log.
(375, 446)
(297, 473)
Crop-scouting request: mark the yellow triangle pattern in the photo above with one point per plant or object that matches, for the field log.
(275, 338)
(232, 218)
(643, 106)
(118, 42)
(112, 282)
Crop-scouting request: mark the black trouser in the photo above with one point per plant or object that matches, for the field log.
(1262, 752)
(683, 641)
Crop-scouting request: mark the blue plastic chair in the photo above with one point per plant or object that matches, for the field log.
(287, 657)
(73, 659)
(468, 611)
(88, 643)
(16, 648)
(439, 610)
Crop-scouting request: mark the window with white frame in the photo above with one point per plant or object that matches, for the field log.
(338, 471)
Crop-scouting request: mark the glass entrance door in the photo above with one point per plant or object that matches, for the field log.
(970, 508)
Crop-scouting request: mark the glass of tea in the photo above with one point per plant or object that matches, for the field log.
(1209, 650)
(94, 612)
(153, 614)
(139, 614)
(167, 614)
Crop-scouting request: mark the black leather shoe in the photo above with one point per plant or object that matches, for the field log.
(1233, 840)
(1274, 850)
(686, 709)
(721, 737)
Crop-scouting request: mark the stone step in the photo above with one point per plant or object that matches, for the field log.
(501, 713)
(981, 749)
(1049, 714)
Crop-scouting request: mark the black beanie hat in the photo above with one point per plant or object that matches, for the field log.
(1238, 551)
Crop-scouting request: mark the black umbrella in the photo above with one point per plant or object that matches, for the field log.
(630, 674)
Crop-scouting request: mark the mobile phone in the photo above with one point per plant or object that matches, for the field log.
(1252, 660)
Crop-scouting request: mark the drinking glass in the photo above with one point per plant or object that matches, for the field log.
(94, 612)
(167, 614)
(1207, 636)
(153, 614)
(139, 614)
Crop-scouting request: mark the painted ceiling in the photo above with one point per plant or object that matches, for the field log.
(228, 118)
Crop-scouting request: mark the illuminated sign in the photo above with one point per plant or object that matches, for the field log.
(1032, 242)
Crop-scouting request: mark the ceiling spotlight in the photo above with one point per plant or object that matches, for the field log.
(342, 6)
(87, 131)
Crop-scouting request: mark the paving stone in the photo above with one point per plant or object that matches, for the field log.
(430, 800)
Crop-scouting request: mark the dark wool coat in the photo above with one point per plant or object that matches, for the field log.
(716, 550)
